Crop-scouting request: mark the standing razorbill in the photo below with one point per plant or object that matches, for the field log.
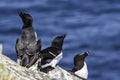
(51, 55)
(27, 46)
(80, 66)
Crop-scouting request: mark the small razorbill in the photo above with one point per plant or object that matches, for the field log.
(27, 47)
(51, 55)
(80, 66)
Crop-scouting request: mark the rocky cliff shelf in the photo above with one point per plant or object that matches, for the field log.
(10, 70)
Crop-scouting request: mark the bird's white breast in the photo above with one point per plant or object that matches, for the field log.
(83, 72)
(54, 62)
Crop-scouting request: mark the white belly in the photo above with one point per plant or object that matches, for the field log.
(83, 72)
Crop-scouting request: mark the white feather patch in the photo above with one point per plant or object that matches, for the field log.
(36, 36)
(54, 62)
(83, 72)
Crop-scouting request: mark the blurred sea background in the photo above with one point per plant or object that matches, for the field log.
(90, 25)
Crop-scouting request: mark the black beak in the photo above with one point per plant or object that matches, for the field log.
(64, 35)
(21, 14)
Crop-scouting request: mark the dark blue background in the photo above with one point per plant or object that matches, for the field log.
(90, 25)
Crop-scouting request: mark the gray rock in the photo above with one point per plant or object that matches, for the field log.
(60, 74)
(10, 70)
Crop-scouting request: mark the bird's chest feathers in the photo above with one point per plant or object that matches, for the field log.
(83, 72)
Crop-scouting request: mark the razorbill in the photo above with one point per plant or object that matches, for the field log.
(27, 46)
(80, 67)
(51, 55)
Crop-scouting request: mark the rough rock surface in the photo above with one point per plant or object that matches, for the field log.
(10, 70)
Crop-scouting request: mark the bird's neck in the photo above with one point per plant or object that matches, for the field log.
(27, 25)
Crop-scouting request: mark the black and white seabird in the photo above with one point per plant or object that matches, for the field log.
(27, 46)
(51, 55)
(80, 67)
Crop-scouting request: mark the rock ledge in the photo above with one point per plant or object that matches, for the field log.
(10, 70)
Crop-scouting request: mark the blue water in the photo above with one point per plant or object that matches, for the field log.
(90, 25)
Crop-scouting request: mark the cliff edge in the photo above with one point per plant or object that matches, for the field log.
(10, 70)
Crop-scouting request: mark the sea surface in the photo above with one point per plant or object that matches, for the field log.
(90, 25)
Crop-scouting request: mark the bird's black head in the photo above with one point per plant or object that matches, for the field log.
(26, 18)
(58, 42)
(79, 58)
(79, 61)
